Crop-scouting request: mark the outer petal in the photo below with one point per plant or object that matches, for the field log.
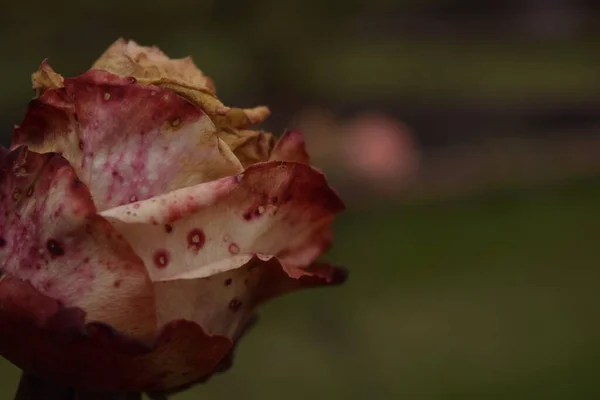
(126, 141)
(199, 231)
(41, 336)
(51, 237)
(223, 303)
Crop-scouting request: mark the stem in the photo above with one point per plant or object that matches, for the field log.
(34, 388)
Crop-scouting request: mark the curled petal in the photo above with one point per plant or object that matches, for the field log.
(51, 237)
(250, 147)
(223, 303)
(124, 151)
(291, 147)
(44, 338)
(199, 231)
(243, 118)
(45, 78)
(151, 66)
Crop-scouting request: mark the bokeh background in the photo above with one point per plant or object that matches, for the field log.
(465, 137)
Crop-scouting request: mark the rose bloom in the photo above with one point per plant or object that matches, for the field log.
(142, 222)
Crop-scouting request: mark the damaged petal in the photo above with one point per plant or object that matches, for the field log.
(121, 150)
(223, 303)
(250, 147)
(275, 209)
(53, 239)
(239, 118)
(150, 66)
(45, 78)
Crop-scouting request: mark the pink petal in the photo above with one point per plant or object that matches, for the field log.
(46, 339)
(291, 147)
(51, 237)
(127, 141)
(223, 303)
(270, 210)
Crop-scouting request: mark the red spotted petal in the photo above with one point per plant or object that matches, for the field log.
(41, 336)
(51, 237)
(271, 210)
(127, 141)
(223, 303)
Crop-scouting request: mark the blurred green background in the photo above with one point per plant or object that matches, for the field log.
(474, 264)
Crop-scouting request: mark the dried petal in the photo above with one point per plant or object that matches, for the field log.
(242, 118)
(51, 237)
(45, 78)
(271, 210)
(250, 147)
(124, 151)
(151, 66)
(41, 336)
(223, 303)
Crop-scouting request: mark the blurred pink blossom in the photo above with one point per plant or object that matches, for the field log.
(371, 146)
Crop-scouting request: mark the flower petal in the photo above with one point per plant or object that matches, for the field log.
(250, 147)
(290, 147)
(243, 118)
(45, 78)
(199, 231)
(223, 303)
(126, 141)
(51, 237)
(44, 338)
(151, 66)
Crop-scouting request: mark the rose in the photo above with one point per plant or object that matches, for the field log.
(142, 222)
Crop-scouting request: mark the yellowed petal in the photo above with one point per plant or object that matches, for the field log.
(242, 118)
(149, 65)
(249, 146)
(45, 78)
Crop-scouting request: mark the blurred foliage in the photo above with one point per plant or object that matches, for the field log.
(399, 55)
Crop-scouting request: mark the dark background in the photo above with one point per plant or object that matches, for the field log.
(465, 136)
